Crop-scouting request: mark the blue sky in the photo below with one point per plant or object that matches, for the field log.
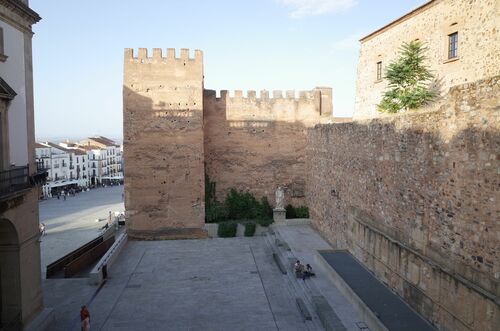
(247, 45)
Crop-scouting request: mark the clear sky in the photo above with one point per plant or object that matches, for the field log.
(247, 45)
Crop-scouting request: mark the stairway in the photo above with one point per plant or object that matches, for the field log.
(299, 289)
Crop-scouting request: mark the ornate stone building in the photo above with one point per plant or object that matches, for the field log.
(21, 305)
(463, 44)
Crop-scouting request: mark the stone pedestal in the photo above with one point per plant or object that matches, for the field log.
(279, 215)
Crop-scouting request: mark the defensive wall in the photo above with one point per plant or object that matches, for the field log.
(415, 198)
(175, 131)
(257, 144)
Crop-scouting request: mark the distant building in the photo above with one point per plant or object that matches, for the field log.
(21, 302)
(67, 167)
(462, 41)
(106, 156)
(94, 161)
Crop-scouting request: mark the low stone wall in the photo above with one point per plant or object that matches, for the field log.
(415, 198)
(212, 229)
(96, 275)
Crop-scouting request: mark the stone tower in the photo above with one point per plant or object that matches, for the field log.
(163, 144)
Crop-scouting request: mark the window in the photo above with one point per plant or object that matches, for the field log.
(379, 70)
(453, 45)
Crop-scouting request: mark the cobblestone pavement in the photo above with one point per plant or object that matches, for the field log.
(72, 222)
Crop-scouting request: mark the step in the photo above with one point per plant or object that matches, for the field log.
(326, 314)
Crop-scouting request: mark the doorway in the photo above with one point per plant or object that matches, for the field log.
(10, 292)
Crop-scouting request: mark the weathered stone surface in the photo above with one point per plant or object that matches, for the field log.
(478, 46)
(163, 144)
(257, 144)
(174, 130)
(415, 198)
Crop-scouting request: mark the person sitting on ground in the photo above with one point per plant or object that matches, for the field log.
(299, 268)
(308, 272)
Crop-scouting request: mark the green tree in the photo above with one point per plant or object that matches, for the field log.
(409, 79)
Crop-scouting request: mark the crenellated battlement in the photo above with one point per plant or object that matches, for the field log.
(142, 54)
(308, 107)
(263, 96)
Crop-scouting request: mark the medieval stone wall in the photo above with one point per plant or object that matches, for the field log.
(163, 144)
(477, 25)
(416, 198)
(256, 144)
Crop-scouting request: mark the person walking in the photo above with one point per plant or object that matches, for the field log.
(85, 318)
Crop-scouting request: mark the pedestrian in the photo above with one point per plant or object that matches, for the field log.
(58, 195)
(85, 318)
(123, 196)
(42, 229)
(64, 196)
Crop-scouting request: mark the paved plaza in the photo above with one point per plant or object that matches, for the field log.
(72, 222)
(208, 284)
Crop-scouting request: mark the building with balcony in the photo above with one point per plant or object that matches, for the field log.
(67, 167)
(21, 304)
(110, 156)
(92, 162)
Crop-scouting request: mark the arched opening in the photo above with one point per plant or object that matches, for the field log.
(10, 291)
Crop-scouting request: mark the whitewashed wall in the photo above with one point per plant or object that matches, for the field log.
(13, 72)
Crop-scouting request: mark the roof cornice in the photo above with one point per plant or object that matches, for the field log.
(18, 14)
(401, 19)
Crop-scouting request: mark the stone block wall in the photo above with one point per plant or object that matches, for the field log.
(476, 22)
(163, 144)
(174, 131)
(256, 144)
(415, 198)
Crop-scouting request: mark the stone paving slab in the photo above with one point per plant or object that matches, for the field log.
(207, 284)
(305, 242)
(210, 284)
(71, 223)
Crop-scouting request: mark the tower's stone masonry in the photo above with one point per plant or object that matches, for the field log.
(416, 198)
(257, 144)
(175, 131)
(163, 144)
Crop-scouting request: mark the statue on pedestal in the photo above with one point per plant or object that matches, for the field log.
(279, 213)
(280, 198)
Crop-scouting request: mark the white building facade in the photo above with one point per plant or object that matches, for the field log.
(93, 162)
(21, 302)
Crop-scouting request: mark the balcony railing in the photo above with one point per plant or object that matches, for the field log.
(14, 179)
(18, 178)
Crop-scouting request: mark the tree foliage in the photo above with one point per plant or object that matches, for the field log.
(408, 78)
